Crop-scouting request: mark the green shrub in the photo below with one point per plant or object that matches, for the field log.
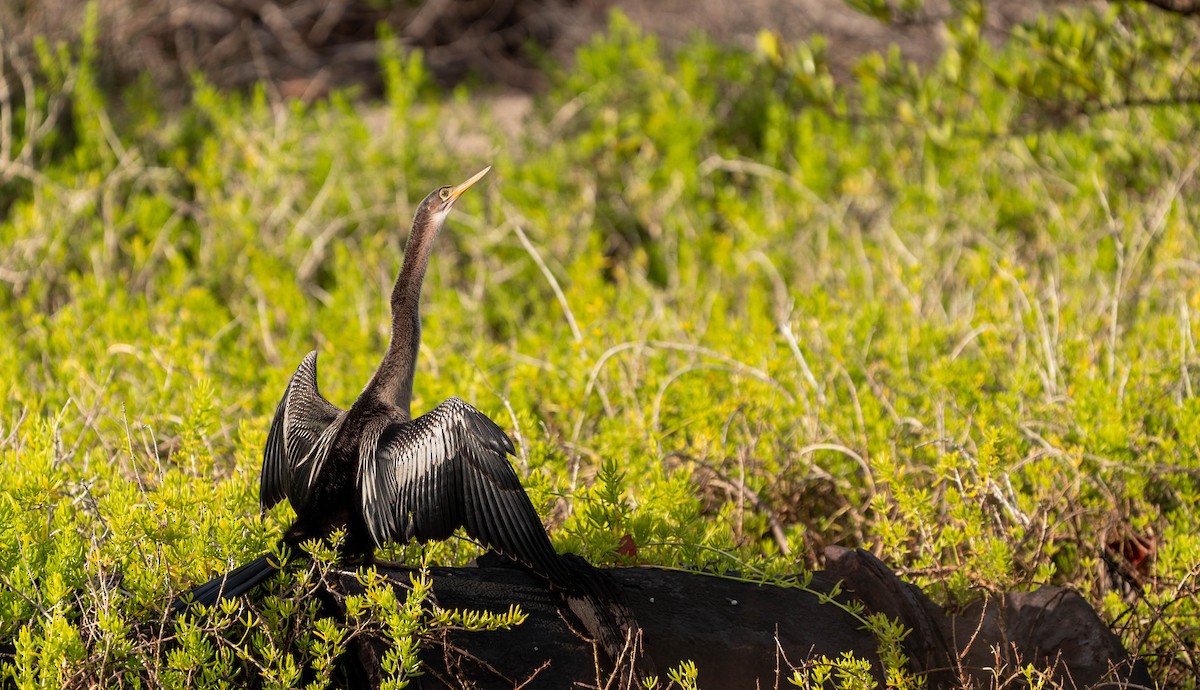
(726, 306)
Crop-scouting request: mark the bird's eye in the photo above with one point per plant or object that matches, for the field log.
(444, 193)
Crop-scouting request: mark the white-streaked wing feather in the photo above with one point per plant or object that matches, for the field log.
(302, 419)
(449, 468)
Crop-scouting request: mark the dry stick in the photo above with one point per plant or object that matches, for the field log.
(1159, 618)
(1049, 352)
(587, 394)
(331, 14)
(282, 206)
(731, 485)
(1157, 469)
(850, 453)
(545, 665)
(289, 38)
(1180, 595)
(34, 132)
(261, 67)
(160, 245)
(423, 21)
(9, 586)
(127, 168)
(12, 434)
(264, 324)
(317, 251)
(624, 668)
(22, 163)
(878, 391)
(558, 293)
(511, 414)
(779, 654)
(656, 412)
(321, 197)
(56, 433)
(596, 664)
(852, 389)
(968, 339)
(1163, 208)
(748, 167)
(783, 309)
(1023, 306)
(5, 105)
(742, 451)
(1158, 222)
(562, 301)
(1187, 346)
(736, 366)
(162, 520)
(962, 654)
(447, 648)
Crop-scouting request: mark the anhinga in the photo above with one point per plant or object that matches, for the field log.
(382, 476)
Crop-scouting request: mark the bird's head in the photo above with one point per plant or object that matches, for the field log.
(441, 200)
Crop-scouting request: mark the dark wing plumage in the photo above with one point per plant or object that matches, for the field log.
(301, 418)
(447, 469)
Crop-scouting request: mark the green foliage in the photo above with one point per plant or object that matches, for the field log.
(728, 307)
(846, 672)
(684, 675)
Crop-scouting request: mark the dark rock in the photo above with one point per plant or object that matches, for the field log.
(746, 635)
(739, 633)
(1051, 628)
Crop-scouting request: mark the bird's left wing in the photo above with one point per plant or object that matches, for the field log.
(302, 419)
(446, 469)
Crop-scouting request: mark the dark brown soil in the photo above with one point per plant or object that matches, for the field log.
(850, 33)
(303, 48)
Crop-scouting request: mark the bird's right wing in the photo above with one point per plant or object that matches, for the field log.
(446, 469)
(301, 421)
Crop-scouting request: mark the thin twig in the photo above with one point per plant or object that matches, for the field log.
(558, 293)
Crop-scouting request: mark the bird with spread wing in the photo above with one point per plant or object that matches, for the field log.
(382, 476)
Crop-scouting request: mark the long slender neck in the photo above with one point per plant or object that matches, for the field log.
(393, 380)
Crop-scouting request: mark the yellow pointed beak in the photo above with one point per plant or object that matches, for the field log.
(457, 191)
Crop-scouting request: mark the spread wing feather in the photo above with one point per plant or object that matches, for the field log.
(301, 422)
(446, 469)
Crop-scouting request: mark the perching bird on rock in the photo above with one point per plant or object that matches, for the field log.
(382, 476)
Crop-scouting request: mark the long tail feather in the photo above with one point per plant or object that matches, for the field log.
(234, 583)
(599, 603)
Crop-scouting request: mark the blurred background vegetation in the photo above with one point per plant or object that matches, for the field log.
(738, 299)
